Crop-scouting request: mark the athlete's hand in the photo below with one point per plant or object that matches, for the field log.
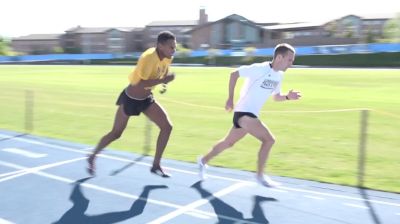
(229, 105)
(292, 95)
(169, 78)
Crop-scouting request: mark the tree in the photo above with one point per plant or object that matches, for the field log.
(4, 46)
(370, 36)
(212, 56)
(250, 52)
(58, 50)
(331, 29)
(181, 51)
(391, 30)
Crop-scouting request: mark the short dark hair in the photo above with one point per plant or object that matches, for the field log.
(164, 36)
(282, 49)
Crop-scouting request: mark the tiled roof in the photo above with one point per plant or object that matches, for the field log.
(293, 26)
(79, 29)
(378, 16)
(174, 23)
(235, 17)
(39, 37)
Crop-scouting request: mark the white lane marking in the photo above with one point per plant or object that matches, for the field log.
(3, 221)
(355, 205)
(340, 196)
(35, 169)
(194, 173)
(198, 203)
(197, 215)
(106, 190)
(10, 173)
(25, 153)
(278, 190)
(175, 169)
(112, 157)
(43, 144)
(313, 197)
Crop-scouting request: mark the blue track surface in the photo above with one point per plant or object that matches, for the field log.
(44, 181)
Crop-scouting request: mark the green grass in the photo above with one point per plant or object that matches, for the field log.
(77, 103)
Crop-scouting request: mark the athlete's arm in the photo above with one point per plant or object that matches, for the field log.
(152, 82)
(231, 91)
(291, 95)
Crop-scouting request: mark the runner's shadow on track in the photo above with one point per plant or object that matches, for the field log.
(229, 215)
(76, 214)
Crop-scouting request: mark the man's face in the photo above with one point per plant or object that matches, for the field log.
(286, 61)
(168, 48)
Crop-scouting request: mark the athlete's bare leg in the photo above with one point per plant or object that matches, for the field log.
(159, 116)
(257, 129)
(234, 135)
(120, 122)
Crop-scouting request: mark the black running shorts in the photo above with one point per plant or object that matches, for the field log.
(238, 115)
(133, 107)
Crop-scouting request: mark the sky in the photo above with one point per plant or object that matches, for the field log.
(23, 17)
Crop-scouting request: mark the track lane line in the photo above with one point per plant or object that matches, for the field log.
(213, 176)
(193, 212)
(185, 209)
(26, 171)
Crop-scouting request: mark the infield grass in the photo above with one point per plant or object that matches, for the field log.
(317, 137)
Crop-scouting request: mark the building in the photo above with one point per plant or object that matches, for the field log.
(101, 39)
(366, 28)
(237, 31)
(37, 44)
(233, 31)
(179, 28)
(107, 39)
(229, 32)
(305, 34)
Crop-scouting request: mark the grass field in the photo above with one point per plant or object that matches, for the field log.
(317, 137)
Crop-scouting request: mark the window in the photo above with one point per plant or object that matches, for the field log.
(114, 34)
(288, 35)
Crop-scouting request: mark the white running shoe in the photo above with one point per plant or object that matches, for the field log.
(267, 182)
(202, 168)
